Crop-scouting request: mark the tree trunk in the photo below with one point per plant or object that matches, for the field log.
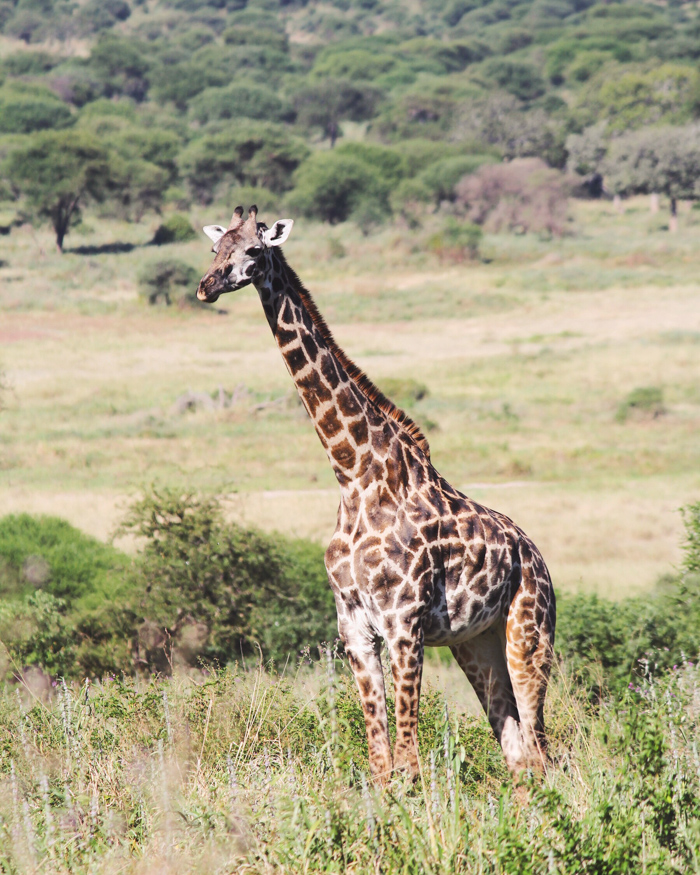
(673, 221)
(61, 220)
(617, 203)
(333, 132)
(654, 203)
(60, 228)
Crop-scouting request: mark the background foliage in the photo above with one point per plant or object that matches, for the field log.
(187, 101)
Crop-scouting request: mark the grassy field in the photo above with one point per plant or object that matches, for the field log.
(247, 772)
(529, 357)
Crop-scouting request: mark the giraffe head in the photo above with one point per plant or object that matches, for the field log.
(239, 252)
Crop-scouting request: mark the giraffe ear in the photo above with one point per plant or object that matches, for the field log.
(278, 233)
(214, 233)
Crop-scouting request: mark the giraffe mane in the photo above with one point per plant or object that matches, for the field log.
(356, 374)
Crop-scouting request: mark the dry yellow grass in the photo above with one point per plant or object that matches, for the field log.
(527, 360)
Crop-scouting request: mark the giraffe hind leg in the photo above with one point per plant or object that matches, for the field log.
(529, 652)
(529, 657)
(483, 661)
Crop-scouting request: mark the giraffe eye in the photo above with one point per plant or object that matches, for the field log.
(254, 251)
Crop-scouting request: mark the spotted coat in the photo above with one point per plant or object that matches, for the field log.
(413, 562)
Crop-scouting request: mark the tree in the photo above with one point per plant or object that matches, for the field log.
(254, 154)
(524, 195)
(57, 172)
(664, 159)
(629, 98)
(240, 100)
(142, 161)
(519, 79)
(122, 65)
(331, 185)
(326, 104)
(503, 121)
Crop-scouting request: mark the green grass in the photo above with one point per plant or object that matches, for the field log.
(243, 771)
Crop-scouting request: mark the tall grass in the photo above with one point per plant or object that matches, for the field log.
(255, 772)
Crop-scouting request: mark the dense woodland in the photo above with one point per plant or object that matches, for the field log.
(347, 109)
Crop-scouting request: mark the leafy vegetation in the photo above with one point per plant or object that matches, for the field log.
(262, 772)
(201, 592)
(519, 80)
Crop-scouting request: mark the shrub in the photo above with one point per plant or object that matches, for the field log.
(524, 195)
(646, 400)
(97, 15)
(243, 35)
(519, 79)
(36, 632)
(404, 390)
(457, 241)
(441, 177)
(255, 154)
(517, 131)
(23, 111)
(29, 63)
(353, 64)
(691, 548)
(169, 282)
(223, 587)
(240, 100)
(609, 644)
(330, 185)
(175, 229)
(75, 563)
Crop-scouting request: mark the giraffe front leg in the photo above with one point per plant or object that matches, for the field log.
(363, 654)
(406, 654)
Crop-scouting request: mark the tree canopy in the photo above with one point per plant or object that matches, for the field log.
(57, 172)
(217, 94)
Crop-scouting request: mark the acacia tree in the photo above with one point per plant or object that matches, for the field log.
(58, 172)
(325, 104)
(664, 160)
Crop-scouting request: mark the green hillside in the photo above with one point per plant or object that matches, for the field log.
(154, 105)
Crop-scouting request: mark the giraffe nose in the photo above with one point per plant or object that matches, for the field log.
(205, 288)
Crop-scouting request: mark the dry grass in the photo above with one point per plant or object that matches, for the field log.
(527, 359)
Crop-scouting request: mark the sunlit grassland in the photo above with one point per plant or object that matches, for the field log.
(528, 357)
(244, 771)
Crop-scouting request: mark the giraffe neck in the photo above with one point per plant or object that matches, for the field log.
(355, 422)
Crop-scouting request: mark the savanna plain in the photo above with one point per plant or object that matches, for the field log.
(557, 382)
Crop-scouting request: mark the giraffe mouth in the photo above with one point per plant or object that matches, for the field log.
(205, 297)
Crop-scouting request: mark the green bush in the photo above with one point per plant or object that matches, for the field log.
(224, 589)
(36, 632)
(355, 64)
(457, 241)
(29, 63)
(48, 553)
(23, 110)
(441, 177)
(202, 591)
(330, 185)
(645, 400)
(255, 36)
(240, 100)
(175, 229)
(518, 78)
(169, 282)
(255, 154)
(610, 644)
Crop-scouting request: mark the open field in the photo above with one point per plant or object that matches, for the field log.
(526, 358)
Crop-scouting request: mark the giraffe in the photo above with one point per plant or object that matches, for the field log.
(412, 562)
